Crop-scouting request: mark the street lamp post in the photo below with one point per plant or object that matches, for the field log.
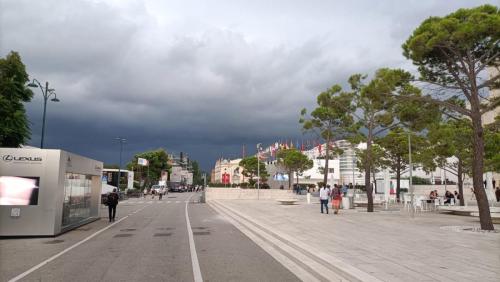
(47, 93)
(121, 140)
(411, 180)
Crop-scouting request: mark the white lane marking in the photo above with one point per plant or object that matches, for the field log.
(186, 201)
(36, 267)
(150, 202)
(192, 248)
(177, 202)
(141, 202)
(168, 202)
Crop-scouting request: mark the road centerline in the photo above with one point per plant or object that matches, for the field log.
(194, 257)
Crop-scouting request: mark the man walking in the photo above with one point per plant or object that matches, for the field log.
(324, 194)
(112, 203)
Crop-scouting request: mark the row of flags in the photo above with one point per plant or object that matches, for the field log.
(308, 145)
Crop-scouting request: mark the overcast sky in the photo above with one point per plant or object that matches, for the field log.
(202, 77)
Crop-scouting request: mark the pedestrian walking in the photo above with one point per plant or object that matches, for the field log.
(324, 194)
(112, 203)
(160, 194)
(336, 198)
(145, 192)
(344, 189)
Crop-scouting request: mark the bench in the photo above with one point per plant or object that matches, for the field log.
(287, 201)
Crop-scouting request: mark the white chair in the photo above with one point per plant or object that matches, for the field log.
(417, 204)
(407, 201)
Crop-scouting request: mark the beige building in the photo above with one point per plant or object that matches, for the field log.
(230, 167)
(490, 116)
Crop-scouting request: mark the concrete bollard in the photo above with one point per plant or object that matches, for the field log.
(308, 198)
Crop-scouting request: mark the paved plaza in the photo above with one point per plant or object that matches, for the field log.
(256, 240)
(384, 245)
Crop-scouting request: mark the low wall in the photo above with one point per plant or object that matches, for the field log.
(246, 194)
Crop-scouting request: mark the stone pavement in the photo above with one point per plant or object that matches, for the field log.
(359, 246)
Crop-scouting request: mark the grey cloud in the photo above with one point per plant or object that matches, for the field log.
(195, 77)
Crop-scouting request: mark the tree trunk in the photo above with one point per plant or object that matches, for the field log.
(369, 190)
(327, 156)
(398, 179)
(374, 181)
(460, 181)
(478, 166)
(290, 176)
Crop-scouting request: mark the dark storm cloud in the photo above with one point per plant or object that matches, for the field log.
(193, 77)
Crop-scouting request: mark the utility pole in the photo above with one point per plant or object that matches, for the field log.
(121, 140)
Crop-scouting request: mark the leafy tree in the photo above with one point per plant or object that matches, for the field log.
(453, 53)
(331, 119)
(378, 157)
(380, 111)
(157, 162)
(294, 161)
(113, 166)
(491, 148)
(14, 128)
(197, 177)
(249, 165)
(395, 147)
(452, 137)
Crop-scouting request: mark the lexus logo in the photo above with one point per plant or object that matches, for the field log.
(7, 158)
(11, 158)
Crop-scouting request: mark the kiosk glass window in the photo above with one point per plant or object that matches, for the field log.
(77, 195)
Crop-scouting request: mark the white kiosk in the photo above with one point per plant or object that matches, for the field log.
(46, 192)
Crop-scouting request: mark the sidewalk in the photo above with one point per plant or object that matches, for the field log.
(355, 245)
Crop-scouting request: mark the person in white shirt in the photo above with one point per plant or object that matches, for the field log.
(324, 194)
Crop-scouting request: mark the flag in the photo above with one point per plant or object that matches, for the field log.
(143, 162)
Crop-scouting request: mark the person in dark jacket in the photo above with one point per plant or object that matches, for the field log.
(112, 203)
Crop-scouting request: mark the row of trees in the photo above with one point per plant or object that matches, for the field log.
(158, 162)
(444, 119)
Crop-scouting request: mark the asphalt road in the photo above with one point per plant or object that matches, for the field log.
(148, 242)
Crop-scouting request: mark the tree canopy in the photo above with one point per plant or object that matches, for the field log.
(331, 119)
(453, 53)
(158, 162)
(14, 127)
(294, 161)
(249, 165)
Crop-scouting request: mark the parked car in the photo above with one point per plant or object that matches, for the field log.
(159, 188)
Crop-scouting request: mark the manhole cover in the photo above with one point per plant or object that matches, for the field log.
(128, 229)
(123, 235)
(166, 228)
(54, 242)
(201, 233)
(162, 234)
(200, 228)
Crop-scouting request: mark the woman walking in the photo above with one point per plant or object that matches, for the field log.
(336, 199)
